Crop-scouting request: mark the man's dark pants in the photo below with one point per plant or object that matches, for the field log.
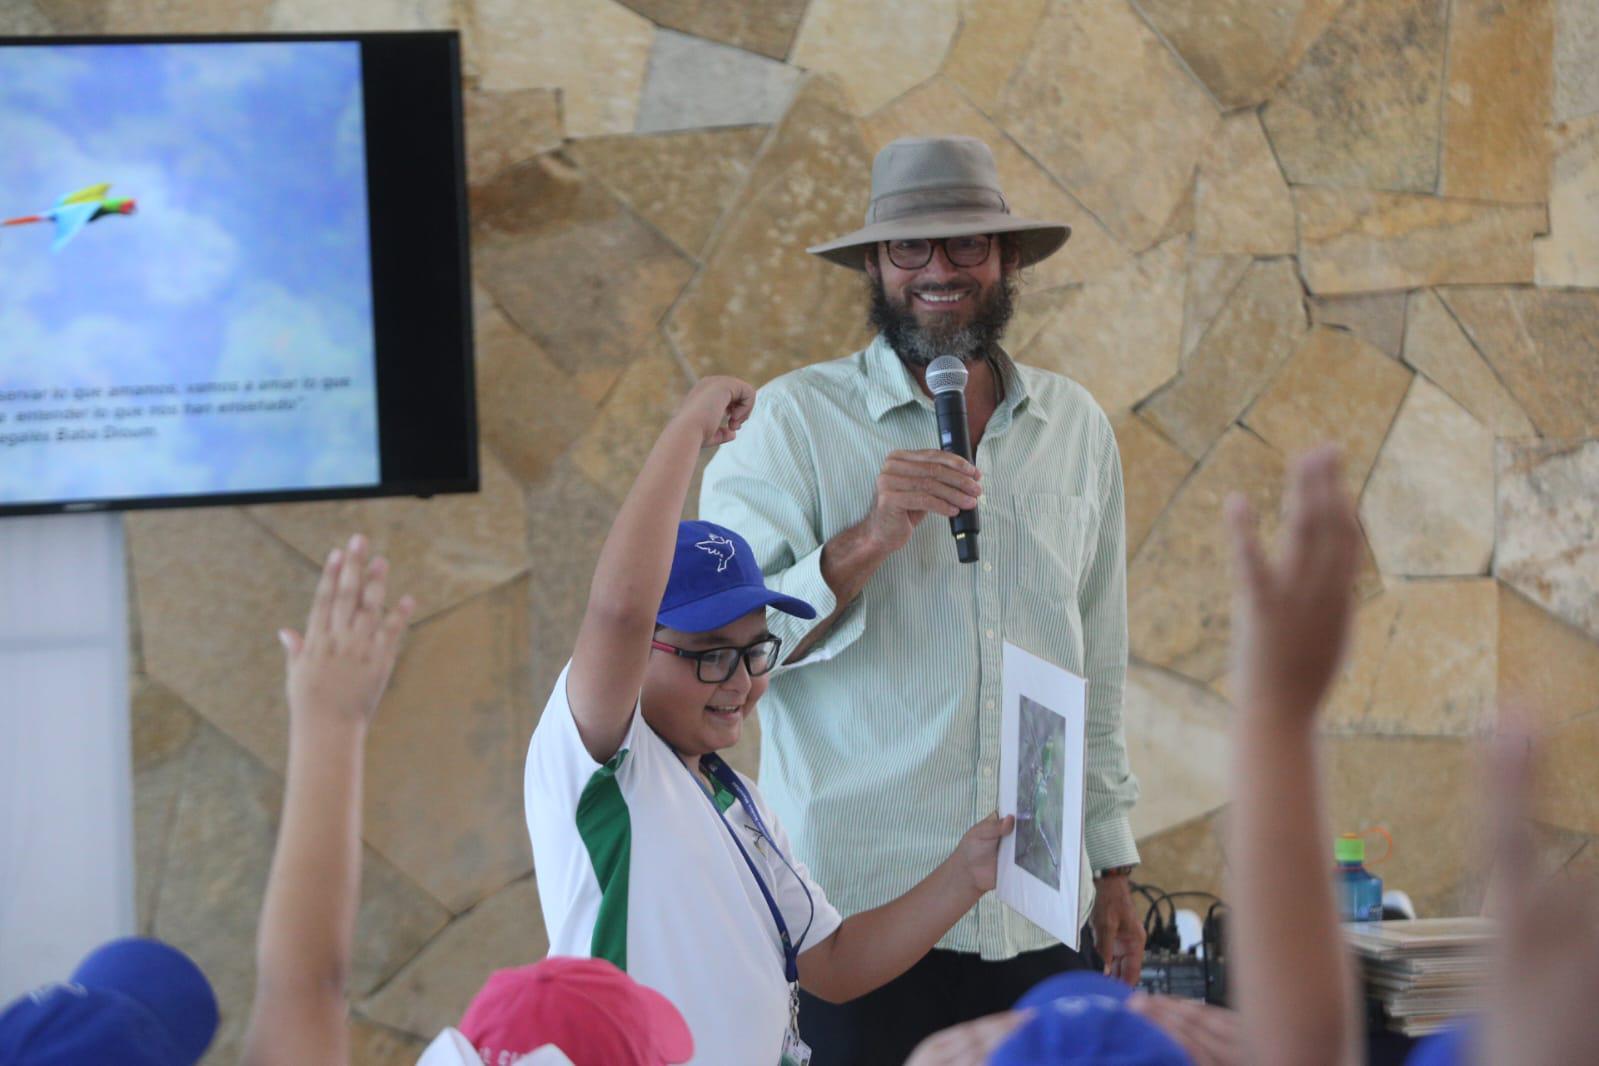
(945, 988)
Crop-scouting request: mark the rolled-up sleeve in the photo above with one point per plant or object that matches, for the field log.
(763, 485)
(1102, 601)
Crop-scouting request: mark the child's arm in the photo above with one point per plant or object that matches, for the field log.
(336, 673)
(872, 948)
(613, 642)
(1290, 629)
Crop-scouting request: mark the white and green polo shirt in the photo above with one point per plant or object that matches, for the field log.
(635, 865)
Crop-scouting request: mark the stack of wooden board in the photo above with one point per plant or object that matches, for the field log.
(1426, 972)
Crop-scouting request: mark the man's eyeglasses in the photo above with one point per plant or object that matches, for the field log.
(715, 665)
(913, 254)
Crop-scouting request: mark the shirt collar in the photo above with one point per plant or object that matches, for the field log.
(889, 386)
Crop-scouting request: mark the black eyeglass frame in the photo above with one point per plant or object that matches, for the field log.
(701, 657)
(943, 242)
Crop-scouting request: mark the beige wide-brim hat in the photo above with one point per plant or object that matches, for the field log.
(940, 187)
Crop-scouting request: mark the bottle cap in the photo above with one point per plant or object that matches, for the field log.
(1349, 848)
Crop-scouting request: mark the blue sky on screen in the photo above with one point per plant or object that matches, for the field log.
(245, 260)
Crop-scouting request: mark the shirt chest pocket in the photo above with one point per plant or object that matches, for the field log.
(1047, 540)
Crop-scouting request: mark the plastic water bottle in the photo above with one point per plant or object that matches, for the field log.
(1359, 891)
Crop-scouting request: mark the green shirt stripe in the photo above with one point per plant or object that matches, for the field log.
(607, 831)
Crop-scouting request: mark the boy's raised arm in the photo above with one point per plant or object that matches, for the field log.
(1291, 624)
(613, 641)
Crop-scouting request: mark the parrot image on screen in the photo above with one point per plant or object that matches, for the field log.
(76, 210)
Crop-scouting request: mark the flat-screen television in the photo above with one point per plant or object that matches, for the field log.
(232, 270)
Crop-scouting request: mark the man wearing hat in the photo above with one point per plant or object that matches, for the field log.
(882, 738)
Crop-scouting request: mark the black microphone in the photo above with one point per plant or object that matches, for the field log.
(946, 378)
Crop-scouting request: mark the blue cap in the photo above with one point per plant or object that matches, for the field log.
(1452, 1047)
(716, 580)
(136, 1002)
(1083, 1017)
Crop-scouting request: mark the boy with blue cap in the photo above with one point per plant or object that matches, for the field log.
(652, 852)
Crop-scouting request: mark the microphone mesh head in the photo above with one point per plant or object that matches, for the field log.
(946, 374)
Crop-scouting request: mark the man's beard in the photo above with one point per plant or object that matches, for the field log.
(917, 345)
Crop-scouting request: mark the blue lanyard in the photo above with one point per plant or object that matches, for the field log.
(728, 779)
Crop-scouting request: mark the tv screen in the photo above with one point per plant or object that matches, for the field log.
(232, 270)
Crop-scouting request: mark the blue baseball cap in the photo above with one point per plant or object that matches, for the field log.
(715, 580)
(1448, 1048)
(1082, 1017)
(135, 1002)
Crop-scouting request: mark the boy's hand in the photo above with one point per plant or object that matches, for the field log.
(976, 857)
(1291, 616)
(341, 666)
(717, 407)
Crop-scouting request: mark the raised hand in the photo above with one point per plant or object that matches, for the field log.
(1291, 618)
(340, 667)
(914, 483)
(717, 407)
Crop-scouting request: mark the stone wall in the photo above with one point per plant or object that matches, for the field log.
(1375, 221)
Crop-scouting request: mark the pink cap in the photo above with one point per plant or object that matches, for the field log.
(595, 1013)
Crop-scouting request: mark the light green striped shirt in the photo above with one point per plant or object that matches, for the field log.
(881, 747)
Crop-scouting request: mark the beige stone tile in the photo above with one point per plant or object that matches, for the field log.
(1570, 254)
(594, 51)
(1180, 223)
(767, 28)
(1427, 809)
(1554, 848)
(1241, 202)
(761, 306)
(445, 757)
(1250, 338)
(1548, 527)
(1034, 309)
(876, 51)
(1576, 59)
(442, 551)
(1377, 318)
(993, 36)
(1361, 109)
(1544, 345)
(310, 16)
(515, 378)
(433, 989)
(936, 107)
(1211, 280)
(22, 18)
(210, 898)
(1179, 741)
(613, 451)
(1422, 662)
(1188, 858)
(1335, 387)
(1119, 336)
(162, 728)
(1497, 101)
(694, 84)
(1565, 786)
(677, 182)
(1124, 132)
(1179, 589)
(154, 16)
(1436, 346)
(374, 1045)
(208, 621)
(573, 267)
(1548, 667)
(570, 517)
(1360, 241)
(1152, 469)
(507, 128)
(1240, 49)
(1428, 506)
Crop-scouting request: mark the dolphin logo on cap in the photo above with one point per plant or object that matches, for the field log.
(721, 547)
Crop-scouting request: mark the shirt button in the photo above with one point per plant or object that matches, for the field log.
(989, 704)
(988, 568)
(990, 634)
(988, 771)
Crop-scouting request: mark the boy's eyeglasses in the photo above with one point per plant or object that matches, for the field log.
(715, 665)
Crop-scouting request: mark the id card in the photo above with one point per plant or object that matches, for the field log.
(795, 1050)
